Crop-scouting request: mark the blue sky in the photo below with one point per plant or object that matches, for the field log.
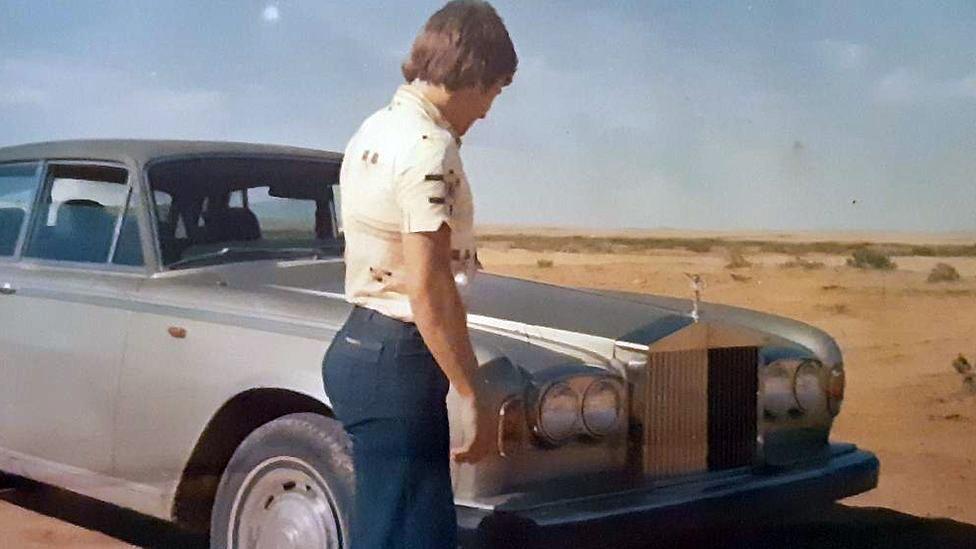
(704, 115)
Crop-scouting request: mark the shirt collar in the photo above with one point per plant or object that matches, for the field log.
(410, 94)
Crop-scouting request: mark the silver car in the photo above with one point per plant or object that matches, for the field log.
(164, 312)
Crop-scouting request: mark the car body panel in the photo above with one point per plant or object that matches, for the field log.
(66, 343)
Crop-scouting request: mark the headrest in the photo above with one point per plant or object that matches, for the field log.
(84, 218)
(231, 224)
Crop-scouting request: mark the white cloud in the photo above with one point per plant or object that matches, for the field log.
(271, 13)
(843, 55)
(904, 85)
(19, 96)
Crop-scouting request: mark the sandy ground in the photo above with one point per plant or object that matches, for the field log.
(899, 335)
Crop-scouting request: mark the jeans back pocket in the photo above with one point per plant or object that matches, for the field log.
(352, 374)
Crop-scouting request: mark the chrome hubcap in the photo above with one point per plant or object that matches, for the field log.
(284, 504)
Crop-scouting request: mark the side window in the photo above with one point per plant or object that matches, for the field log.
(18, 183)
(238, 199)
(128, 248)
(77, 213)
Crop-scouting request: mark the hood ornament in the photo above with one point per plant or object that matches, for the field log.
(698, 285)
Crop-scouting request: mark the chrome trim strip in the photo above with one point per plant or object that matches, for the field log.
(175, 273)
(117, 230)
(35, 263)
(280, 325)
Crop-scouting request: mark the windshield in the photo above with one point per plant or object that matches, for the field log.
(220, 210)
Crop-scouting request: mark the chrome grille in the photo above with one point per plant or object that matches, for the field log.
(676, 413)
(698, 410)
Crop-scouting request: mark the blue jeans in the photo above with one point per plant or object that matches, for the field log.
(389, 394)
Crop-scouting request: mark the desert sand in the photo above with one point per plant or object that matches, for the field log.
(899, 334)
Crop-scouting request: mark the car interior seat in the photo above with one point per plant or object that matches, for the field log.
(82, 232)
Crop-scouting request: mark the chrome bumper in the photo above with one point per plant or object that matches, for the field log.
(641, 513)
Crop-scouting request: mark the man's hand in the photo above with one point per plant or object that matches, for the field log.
(478, 446)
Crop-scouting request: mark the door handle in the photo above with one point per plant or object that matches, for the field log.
(7, 289)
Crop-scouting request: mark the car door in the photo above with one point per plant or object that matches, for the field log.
(65, 315)
(18, 185)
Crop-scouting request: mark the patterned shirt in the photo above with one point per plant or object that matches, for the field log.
(402, 173)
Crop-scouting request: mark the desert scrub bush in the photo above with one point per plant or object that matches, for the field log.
(870, 258)
(965, 369)
(543, 263)
(737, 260)
(943, 272)
(698, 246)
(923, 251)
(800, 263)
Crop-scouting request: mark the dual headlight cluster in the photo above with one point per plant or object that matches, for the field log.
(587, 406)
(801, 387)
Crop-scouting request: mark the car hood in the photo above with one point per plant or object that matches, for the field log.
(575, 318)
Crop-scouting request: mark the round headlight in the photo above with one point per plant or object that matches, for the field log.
(602, 407)
(559, 413)
(808, 388)
(776, 386)
(836, 383)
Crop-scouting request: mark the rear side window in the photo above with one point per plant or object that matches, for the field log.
(77, 213)
(18, 183)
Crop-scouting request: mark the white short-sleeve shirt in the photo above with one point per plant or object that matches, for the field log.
(402, 173)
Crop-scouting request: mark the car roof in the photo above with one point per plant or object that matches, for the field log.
(141, 151)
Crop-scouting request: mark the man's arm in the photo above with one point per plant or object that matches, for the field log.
(442, 321)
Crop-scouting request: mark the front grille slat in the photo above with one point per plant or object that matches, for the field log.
(699, 410)
(676, 418)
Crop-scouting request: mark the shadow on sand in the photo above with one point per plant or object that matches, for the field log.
(837, 527)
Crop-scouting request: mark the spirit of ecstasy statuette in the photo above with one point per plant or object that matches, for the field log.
(698, 285)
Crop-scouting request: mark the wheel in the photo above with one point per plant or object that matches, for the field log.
(288, 485)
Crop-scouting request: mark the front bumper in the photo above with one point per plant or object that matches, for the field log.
(645, 512)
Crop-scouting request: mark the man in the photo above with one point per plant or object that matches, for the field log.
(408, 219)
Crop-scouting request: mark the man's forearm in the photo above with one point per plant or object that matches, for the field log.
(440, 316)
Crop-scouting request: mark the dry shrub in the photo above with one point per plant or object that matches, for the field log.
(965, 369)
(943, 272)
(835, 308)
(737, 260)
(699, 246)
(544, 263)
(871, 258)
(800, 263)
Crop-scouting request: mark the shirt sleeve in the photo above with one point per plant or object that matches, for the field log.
(422, 186)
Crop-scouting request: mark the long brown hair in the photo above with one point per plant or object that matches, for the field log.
(464, 44)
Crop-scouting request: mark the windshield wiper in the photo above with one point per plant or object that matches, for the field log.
(235, 251)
